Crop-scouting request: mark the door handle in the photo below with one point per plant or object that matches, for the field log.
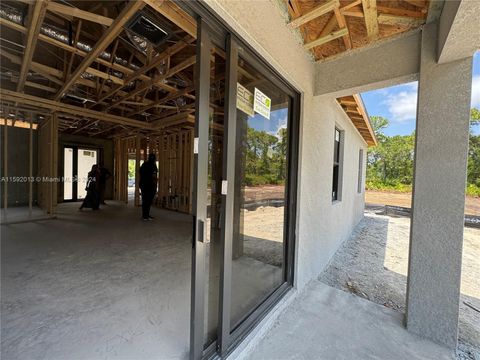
(202, 232)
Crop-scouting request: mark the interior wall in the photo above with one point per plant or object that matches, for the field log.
(106, 153)
(321, 225)
(18, 154)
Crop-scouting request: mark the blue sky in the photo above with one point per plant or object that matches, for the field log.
(399, 103)
(278, 120)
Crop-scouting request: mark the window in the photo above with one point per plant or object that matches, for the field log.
(360, 171)
(337, 165)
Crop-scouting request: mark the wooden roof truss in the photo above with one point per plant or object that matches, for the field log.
(331, 27)
(77, 59)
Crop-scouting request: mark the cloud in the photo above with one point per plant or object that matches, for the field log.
(402, 106)
(476, 91)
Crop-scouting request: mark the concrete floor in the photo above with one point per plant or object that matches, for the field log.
(106, 285)
(21, 214)
(97, 285)
(326, 323)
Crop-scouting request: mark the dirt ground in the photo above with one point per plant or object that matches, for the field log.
(373, 264)
(472, 204)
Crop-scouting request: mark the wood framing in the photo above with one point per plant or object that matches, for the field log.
(78, 13)
(35, 21)
(371, 21)
(324, 39)
(174, 13)
(355, 110)
(112, 32)
(314, 13)
(70, 109)
(365, 21)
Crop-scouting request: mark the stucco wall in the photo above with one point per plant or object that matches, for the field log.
(321, 225)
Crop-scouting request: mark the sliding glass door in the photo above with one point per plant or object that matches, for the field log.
(259, 238)
(245, 179)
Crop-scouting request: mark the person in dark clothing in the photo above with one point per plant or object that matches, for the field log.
(92, 199)
(148, 185)
(104, 176)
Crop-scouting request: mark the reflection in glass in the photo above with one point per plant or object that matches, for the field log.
(260, 197)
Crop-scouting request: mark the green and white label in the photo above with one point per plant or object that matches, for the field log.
(262, 104)
(244, 100)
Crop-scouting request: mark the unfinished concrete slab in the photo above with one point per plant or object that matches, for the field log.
(105, 284)
(97, 285)
(326, 323)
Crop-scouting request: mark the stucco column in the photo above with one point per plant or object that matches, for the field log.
(439, 194)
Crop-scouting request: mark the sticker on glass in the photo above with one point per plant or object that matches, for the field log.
(244, 100)
(262, 104)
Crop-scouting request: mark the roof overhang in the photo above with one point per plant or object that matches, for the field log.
(355, 110)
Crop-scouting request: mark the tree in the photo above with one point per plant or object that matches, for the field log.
(474, 117)
(473, 173)
(378, 124)
(390, 163)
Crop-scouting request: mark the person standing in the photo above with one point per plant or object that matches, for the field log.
(92, 199)
(148, 185)
(105, 174)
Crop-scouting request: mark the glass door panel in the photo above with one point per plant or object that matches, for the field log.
(259, 219)
(68, 173)
(85, 160)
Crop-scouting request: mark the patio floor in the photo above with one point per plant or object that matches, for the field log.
(326, 323)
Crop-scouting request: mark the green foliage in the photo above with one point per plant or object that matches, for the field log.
(393, 187)
(473, 174)
(390, 163)
(473, 190)
(265, 157)
(131, 169)
(474, 117)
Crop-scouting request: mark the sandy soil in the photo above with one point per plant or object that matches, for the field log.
(373, 264)
(472, 204)
(263, 234)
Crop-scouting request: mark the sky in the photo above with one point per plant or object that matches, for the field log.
(278, 120)
(399, 103)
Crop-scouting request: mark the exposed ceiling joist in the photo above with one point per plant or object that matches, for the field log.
(371, 22)
(78, 13)
(400, 12)
(356, 11)
(314, 13)
(171, 120)
(343, 24)
(155, 62)
(398, 20)
(36, 16)
(53, 105)
(324, 39)
(170, 97)
(175, 14)
(108, 36)
(158, 79)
